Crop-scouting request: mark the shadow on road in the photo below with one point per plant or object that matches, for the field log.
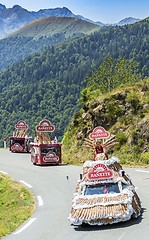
(50, 165)
(132, 221)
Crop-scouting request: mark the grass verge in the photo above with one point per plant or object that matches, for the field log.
(16, 205)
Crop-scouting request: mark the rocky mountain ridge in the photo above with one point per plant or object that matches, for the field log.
(128, 20)
(12, 19)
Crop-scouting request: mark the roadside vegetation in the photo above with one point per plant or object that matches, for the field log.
(123, 111)
(16, 205)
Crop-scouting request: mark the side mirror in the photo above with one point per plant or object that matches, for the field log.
(122, 172)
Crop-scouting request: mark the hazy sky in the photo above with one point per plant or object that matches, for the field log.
(106, 11)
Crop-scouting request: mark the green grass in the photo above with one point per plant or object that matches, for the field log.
(16, 205)
(56, 25)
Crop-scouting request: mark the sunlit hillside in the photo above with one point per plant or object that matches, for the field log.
(55, 25)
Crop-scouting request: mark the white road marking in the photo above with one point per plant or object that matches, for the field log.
(25, 226)
(123, 234)
(142, 171)
(26, 184)
(4, 172)
(40, 201)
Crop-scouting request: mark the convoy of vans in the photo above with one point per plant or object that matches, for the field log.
(44, 151)
(104, 194)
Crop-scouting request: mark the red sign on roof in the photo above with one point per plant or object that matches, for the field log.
(21, 125)
(100, 171)
(99, 132)
(45, 126)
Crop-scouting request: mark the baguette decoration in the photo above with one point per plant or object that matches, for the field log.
(20, 133)
(109, 143)
(103, 207)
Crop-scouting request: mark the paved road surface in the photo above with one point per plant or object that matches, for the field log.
(54, 194)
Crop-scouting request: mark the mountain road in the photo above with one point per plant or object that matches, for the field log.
(53, 188)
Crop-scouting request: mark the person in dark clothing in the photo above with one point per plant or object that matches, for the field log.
(99, 148)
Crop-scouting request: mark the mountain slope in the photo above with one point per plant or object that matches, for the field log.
(55, 12)
(53, 25)
(129, 20)
(125, 113)
(11, 19)
(129, 41)
(38, 34)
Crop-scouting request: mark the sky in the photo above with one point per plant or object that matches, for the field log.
(105, 11)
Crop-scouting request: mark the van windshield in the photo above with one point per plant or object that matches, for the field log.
(45, 150)
(21, 142)
(104, 188)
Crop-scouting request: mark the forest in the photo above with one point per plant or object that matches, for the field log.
(35, 36)
(17, 48)
(48, 84)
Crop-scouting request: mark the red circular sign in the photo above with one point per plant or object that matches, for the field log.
(45, 126)
(100, 171)
(99, 132)
(5, 139)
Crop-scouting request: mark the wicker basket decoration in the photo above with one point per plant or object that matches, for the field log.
(104, 195)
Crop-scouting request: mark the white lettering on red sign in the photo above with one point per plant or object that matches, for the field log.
(99, 132)
(51, 157)
(21, 125)
(100, 171)
(17, 147)
(45, 126)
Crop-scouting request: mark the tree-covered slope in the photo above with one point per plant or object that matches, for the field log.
(130, 41)
(48, 84)
(44, 86)
(38, 34)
